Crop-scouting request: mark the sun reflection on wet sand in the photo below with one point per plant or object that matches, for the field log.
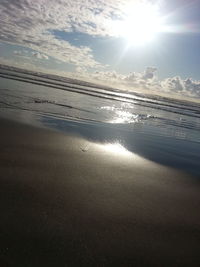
(115, 148)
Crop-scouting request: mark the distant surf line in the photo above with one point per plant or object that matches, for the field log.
(107, 95)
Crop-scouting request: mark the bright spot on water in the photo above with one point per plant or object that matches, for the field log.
(124, 117)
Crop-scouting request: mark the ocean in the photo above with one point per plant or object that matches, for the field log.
(163, 130)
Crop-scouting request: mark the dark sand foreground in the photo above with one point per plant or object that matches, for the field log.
(68, 202)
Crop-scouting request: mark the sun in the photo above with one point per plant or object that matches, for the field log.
(139, 25)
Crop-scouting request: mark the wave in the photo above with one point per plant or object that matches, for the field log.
(155, 102)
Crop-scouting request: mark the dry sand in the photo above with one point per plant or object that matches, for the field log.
(67, 202)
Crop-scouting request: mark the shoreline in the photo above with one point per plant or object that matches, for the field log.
(68, 201)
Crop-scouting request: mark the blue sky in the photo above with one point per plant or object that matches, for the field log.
(150, 45)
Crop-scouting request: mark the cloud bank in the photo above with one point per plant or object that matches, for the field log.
(149, 81)
(31, 24)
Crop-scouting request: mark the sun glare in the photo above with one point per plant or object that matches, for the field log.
(140, 24)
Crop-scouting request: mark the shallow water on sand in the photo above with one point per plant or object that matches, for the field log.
(162, 130)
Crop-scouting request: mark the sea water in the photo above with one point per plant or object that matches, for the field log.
(160, 129)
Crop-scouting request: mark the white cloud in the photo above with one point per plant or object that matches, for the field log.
(17, 52)
(149, 73)
(30, 56)
(139, 79)
(186, 87)
(174, 84)
(39, 55)
(32, 23)
(148, 81)
(26, 63)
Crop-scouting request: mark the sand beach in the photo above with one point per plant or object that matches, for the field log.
(66, 201)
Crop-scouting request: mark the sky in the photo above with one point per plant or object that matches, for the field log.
(150, 45)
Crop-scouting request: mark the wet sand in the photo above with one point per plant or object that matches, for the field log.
(65, 201)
